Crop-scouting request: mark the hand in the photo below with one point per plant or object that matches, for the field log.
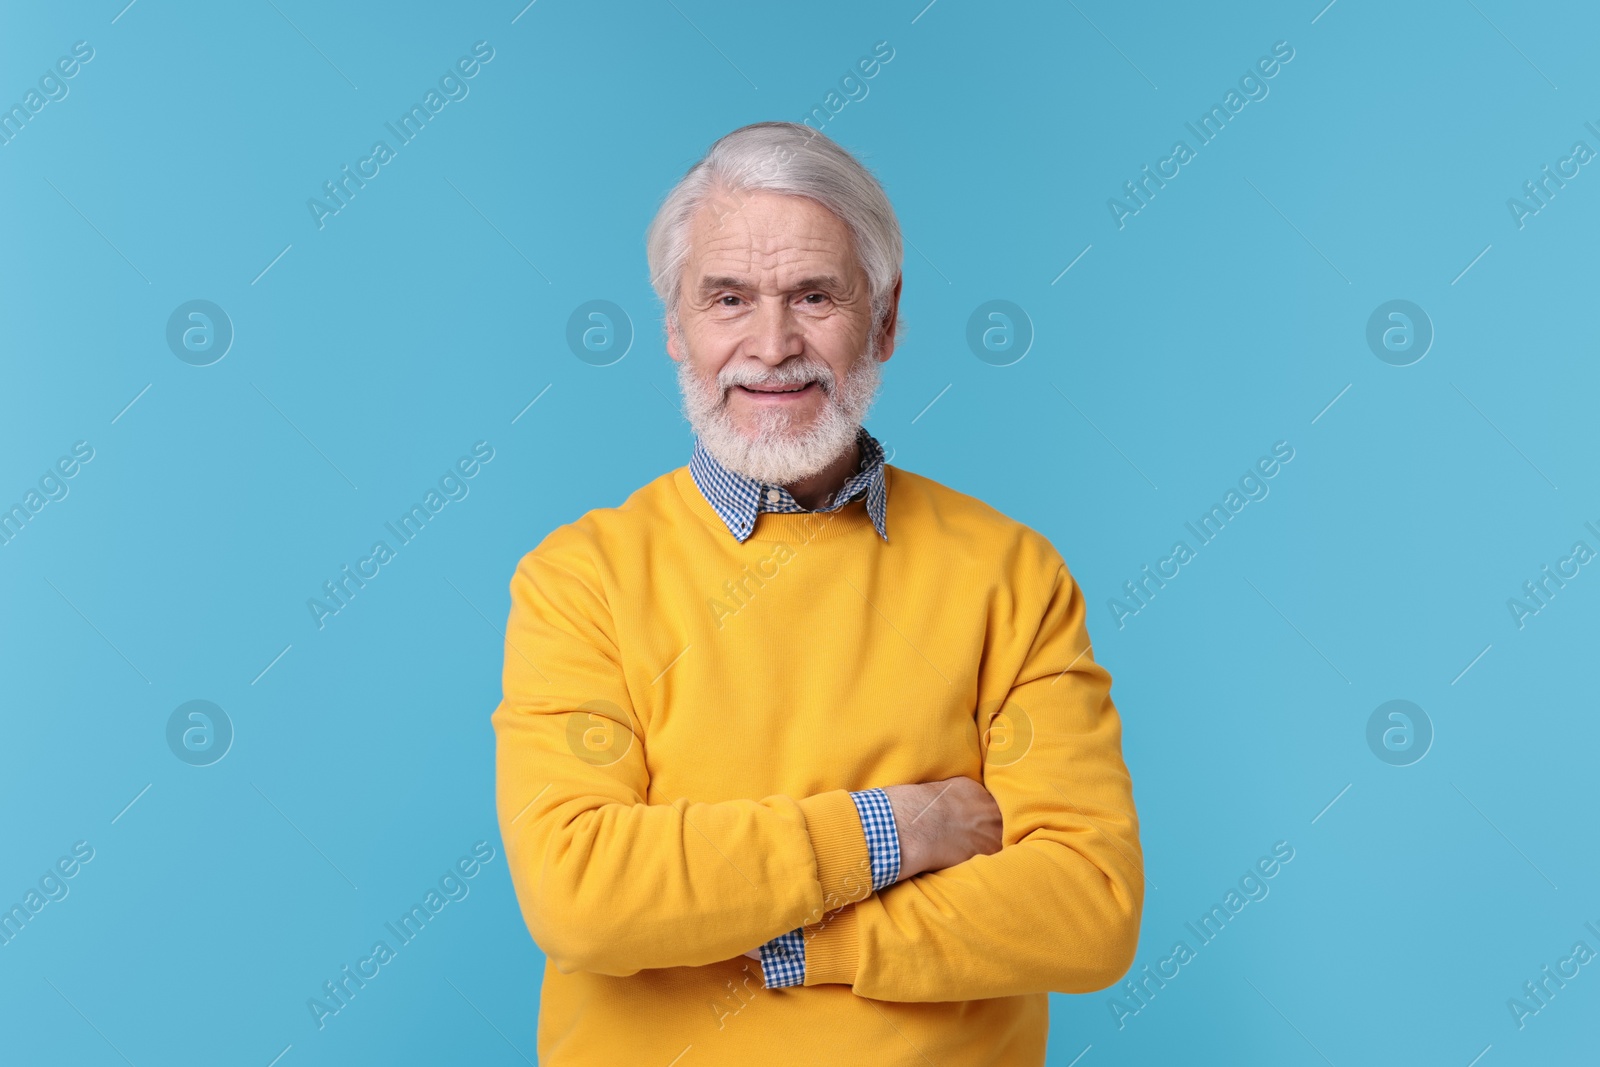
(943, 823)
(940, 825)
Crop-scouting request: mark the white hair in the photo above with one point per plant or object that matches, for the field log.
(794, 160)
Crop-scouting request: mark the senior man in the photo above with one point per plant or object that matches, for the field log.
(804, 758)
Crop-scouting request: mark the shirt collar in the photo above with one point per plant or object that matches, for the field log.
(737, 499)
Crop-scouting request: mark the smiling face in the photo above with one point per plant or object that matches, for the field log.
(777, 354)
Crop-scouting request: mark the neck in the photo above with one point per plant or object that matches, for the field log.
(819, 489)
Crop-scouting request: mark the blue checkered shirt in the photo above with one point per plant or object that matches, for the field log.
(737, 500)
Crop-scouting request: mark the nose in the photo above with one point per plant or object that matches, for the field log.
(775, 332)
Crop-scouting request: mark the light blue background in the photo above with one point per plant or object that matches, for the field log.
(1224, 317)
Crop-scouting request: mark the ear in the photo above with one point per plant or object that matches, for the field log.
(886, 333)
(674, 339)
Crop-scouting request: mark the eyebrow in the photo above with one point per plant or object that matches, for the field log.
(817, 281)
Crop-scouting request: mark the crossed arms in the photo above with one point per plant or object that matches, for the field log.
(610, 883)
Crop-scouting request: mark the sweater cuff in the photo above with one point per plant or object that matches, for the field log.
(831, 949)
(844, 865)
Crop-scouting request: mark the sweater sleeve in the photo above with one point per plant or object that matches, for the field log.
(783, 959)
(1058, 907)
(606, 880)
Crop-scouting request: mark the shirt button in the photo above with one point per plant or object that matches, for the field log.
(773, 496)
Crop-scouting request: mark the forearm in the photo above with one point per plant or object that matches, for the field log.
(1037, 916)
(613, 885)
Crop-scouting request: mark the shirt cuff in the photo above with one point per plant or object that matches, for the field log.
(883, 838)
(783, 960)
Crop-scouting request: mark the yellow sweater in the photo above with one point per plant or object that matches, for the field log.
(683, 719)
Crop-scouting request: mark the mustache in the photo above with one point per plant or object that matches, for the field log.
(785, 374)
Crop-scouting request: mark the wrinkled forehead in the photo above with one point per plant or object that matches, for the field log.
(767, 238)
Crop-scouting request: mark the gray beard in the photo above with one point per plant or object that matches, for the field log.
(779, 454)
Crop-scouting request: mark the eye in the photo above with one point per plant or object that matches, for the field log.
(815, 298)
(726, 296)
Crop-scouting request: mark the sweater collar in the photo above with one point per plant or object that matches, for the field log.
(738, 499)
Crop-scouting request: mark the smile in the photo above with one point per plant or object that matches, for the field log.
(788, 391)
